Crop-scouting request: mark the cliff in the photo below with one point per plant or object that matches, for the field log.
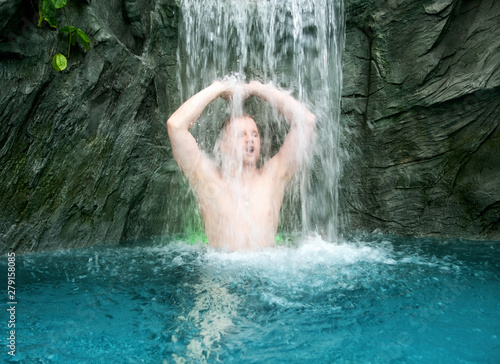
(85, 157)
(421, 100)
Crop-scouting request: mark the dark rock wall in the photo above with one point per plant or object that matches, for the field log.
(85, 158)
(421, 102)
(84, 154)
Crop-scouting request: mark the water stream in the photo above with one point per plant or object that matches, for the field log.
(293, 44)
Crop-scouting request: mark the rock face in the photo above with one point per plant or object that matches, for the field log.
(421, 98)
(84, 154)
(85, 157)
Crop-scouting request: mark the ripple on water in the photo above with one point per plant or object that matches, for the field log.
(318, 300)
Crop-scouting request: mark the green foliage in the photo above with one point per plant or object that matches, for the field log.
(59, 62)
(77, 34)
(47, 11)
(59, 3)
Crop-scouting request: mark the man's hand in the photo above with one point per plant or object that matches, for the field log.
(223, 89)
(230, 90)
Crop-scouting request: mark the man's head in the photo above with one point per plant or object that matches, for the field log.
(240, 140)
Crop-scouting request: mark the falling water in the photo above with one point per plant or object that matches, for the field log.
(295, 45)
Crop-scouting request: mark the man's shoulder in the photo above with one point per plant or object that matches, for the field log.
(273, 173)
(204, 171)
(274, 167)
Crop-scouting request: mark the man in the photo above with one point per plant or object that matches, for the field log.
(239, 202)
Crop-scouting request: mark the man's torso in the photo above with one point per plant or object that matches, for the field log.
(241, 216)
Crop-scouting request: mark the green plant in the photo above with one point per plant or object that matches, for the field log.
(47, 11)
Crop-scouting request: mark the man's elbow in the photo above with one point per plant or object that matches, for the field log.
(171, 124)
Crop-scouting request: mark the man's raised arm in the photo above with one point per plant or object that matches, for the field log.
(184, 147)
(298, 142)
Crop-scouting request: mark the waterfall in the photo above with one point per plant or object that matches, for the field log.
(297, 46)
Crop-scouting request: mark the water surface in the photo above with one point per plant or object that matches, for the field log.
(366, 300)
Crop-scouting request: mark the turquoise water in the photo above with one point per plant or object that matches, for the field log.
(373, 299)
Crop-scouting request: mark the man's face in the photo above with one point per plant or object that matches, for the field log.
(242, 141)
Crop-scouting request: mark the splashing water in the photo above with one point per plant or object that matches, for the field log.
(373, 299)
(293, 44)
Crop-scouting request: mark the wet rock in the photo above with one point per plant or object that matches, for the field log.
(84, 154)
(424, 150)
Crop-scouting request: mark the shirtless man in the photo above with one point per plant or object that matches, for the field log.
(239, 202)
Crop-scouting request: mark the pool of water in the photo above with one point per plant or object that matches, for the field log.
(372, 299)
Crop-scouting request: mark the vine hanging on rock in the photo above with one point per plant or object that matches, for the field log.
(47, 11)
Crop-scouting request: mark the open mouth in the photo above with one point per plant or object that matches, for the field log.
(250, 149)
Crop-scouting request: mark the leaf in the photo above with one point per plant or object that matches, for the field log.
(40, 13)
(49, 13)
(84, 39)
(69, 29)
(59, 62)
(59, 3)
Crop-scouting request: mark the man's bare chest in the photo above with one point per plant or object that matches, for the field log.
(261, 197)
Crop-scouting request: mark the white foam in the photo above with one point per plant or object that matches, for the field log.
(310, 252)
